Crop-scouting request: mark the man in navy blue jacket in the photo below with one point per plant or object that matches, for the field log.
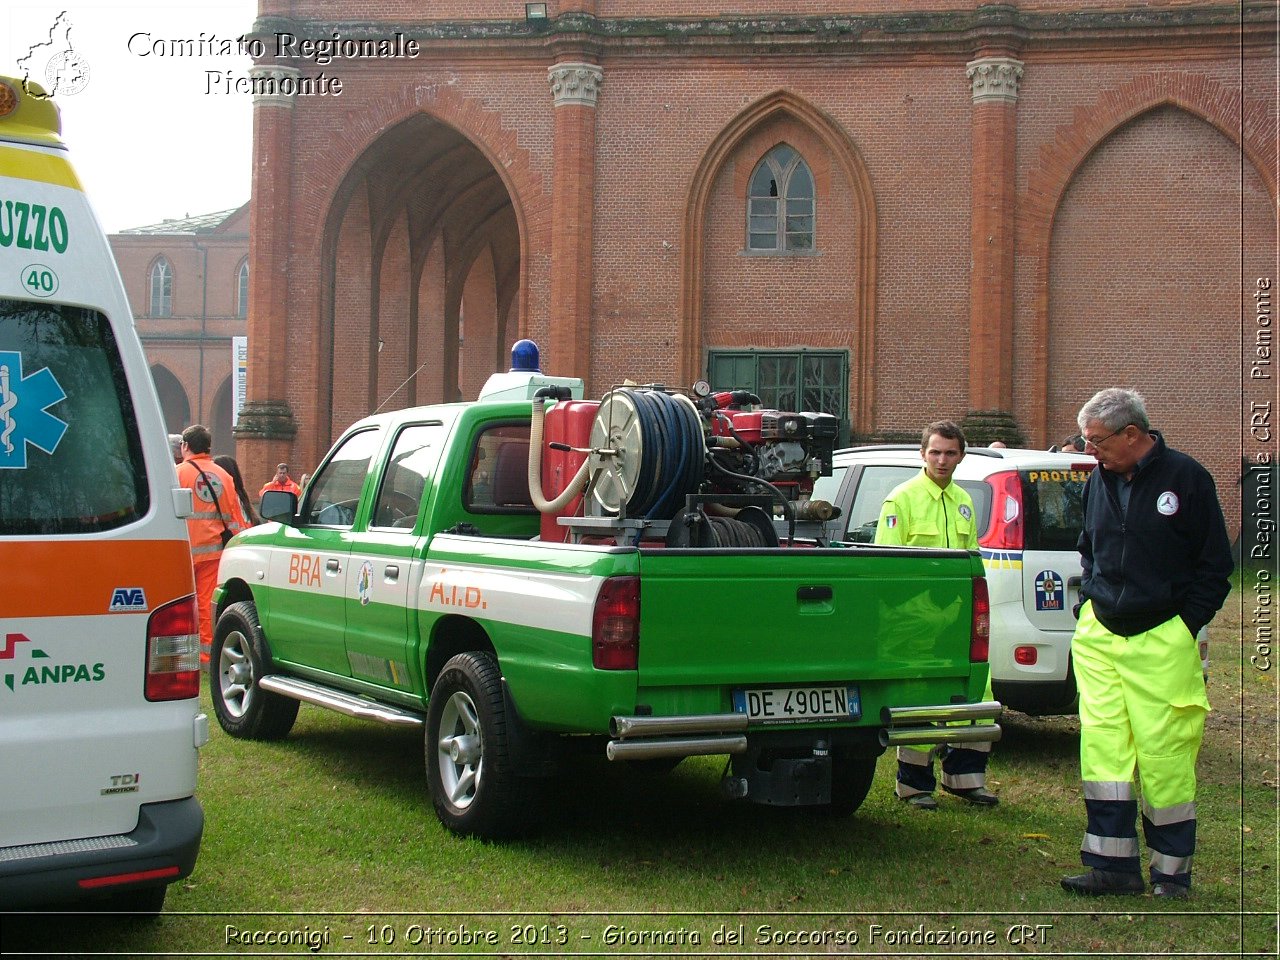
(1156, 561)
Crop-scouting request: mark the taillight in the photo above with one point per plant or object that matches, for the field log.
(980, 628)
(173, 652)
(1026, 656)
(615, 625)
(1004, 532)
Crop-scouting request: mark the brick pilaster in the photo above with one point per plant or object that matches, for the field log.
(574, 88)
(265, 431)
(994, 83)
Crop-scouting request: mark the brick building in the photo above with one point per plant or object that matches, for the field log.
(188, 284)
(891, 210)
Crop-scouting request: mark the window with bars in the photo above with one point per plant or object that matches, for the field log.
(161, 303)
(780, 204)
(788, 380)
(242, 290)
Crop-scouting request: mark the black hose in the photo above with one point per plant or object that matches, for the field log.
(787, 511)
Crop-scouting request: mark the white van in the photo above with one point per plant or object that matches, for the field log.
(1029, 515)
(99, 652)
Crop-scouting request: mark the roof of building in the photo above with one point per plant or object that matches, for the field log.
(201, 223)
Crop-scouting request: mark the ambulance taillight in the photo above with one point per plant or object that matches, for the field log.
(173, 652)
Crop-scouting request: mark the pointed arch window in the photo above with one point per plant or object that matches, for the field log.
(161, 302)
(780, 205)
(242, 290)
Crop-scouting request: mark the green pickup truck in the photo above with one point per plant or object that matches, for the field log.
(422, 580)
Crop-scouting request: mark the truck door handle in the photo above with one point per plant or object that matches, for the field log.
(813, 593)
(1073, 582)
(333, 566)
(392, 572)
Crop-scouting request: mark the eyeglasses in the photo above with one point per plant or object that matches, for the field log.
(1088, 442)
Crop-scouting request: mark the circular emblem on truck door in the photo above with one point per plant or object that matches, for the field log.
(1167, 503)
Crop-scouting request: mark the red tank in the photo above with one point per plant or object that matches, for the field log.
(568, 422)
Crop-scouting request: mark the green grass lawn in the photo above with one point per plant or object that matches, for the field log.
(330, 834)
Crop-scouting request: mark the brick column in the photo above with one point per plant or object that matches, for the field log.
(574, 88)
(994, 82)
(265, 431)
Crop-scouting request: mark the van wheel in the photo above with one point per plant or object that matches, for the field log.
(239, 659)
(850, 783)
(470, 771)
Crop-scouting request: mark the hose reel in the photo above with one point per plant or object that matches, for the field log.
(658, 453)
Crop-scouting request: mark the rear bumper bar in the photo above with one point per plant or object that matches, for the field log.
(952, 723)
(646, 738)
(163, 846)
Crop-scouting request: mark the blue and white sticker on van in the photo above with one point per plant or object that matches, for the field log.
(23, 415)
(128, 600)
(1050, 594)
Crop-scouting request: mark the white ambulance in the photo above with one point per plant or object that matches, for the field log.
(99, 652)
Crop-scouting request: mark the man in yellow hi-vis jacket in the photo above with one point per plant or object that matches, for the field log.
(929, 510)
(1156, 559)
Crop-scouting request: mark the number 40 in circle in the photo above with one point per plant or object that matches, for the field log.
(39, 280)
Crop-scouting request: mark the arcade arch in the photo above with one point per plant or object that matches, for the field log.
(422, 231)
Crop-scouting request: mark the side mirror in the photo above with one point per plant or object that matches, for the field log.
(279, 505)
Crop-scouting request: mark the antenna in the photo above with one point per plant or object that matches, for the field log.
(399, 388)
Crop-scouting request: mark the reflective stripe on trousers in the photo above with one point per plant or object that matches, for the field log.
(1142, 706)
(963, 768)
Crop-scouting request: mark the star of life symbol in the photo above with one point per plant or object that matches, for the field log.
(24, 417)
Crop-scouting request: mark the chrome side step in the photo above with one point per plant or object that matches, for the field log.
(340, 701)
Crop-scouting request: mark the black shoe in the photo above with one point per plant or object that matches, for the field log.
(921, 801)
(1170, 891)
(1099, 882)
(979, 795)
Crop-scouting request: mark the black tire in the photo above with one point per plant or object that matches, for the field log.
(470, 770)
(851, 779)
(238, 660)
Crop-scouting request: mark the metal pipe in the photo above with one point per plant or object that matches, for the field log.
(623, 727)
(340, 702)
(692, 747)
(905, 737)
(944, 713)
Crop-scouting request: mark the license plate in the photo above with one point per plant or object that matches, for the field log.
(798, 704)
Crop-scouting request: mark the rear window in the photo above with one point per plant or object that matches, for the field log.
(877, 482)
(1054, 504)
(70, 455)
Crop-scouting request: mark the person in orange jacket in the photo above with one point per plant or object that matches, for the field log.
(215, 518)
(281, 481)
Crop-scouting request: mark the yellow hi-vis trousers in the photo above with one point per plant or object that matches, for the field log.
(1142, 704)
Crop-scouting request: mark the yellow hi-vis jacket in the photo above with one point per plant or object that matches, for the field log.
(919, 513)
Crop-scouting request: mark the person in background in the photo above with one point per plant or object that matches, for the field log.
(281, 481)
(233, 471)
(175, 447)
(215, 518)
(1073, 444)
(929, 510)
(1156, 560)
